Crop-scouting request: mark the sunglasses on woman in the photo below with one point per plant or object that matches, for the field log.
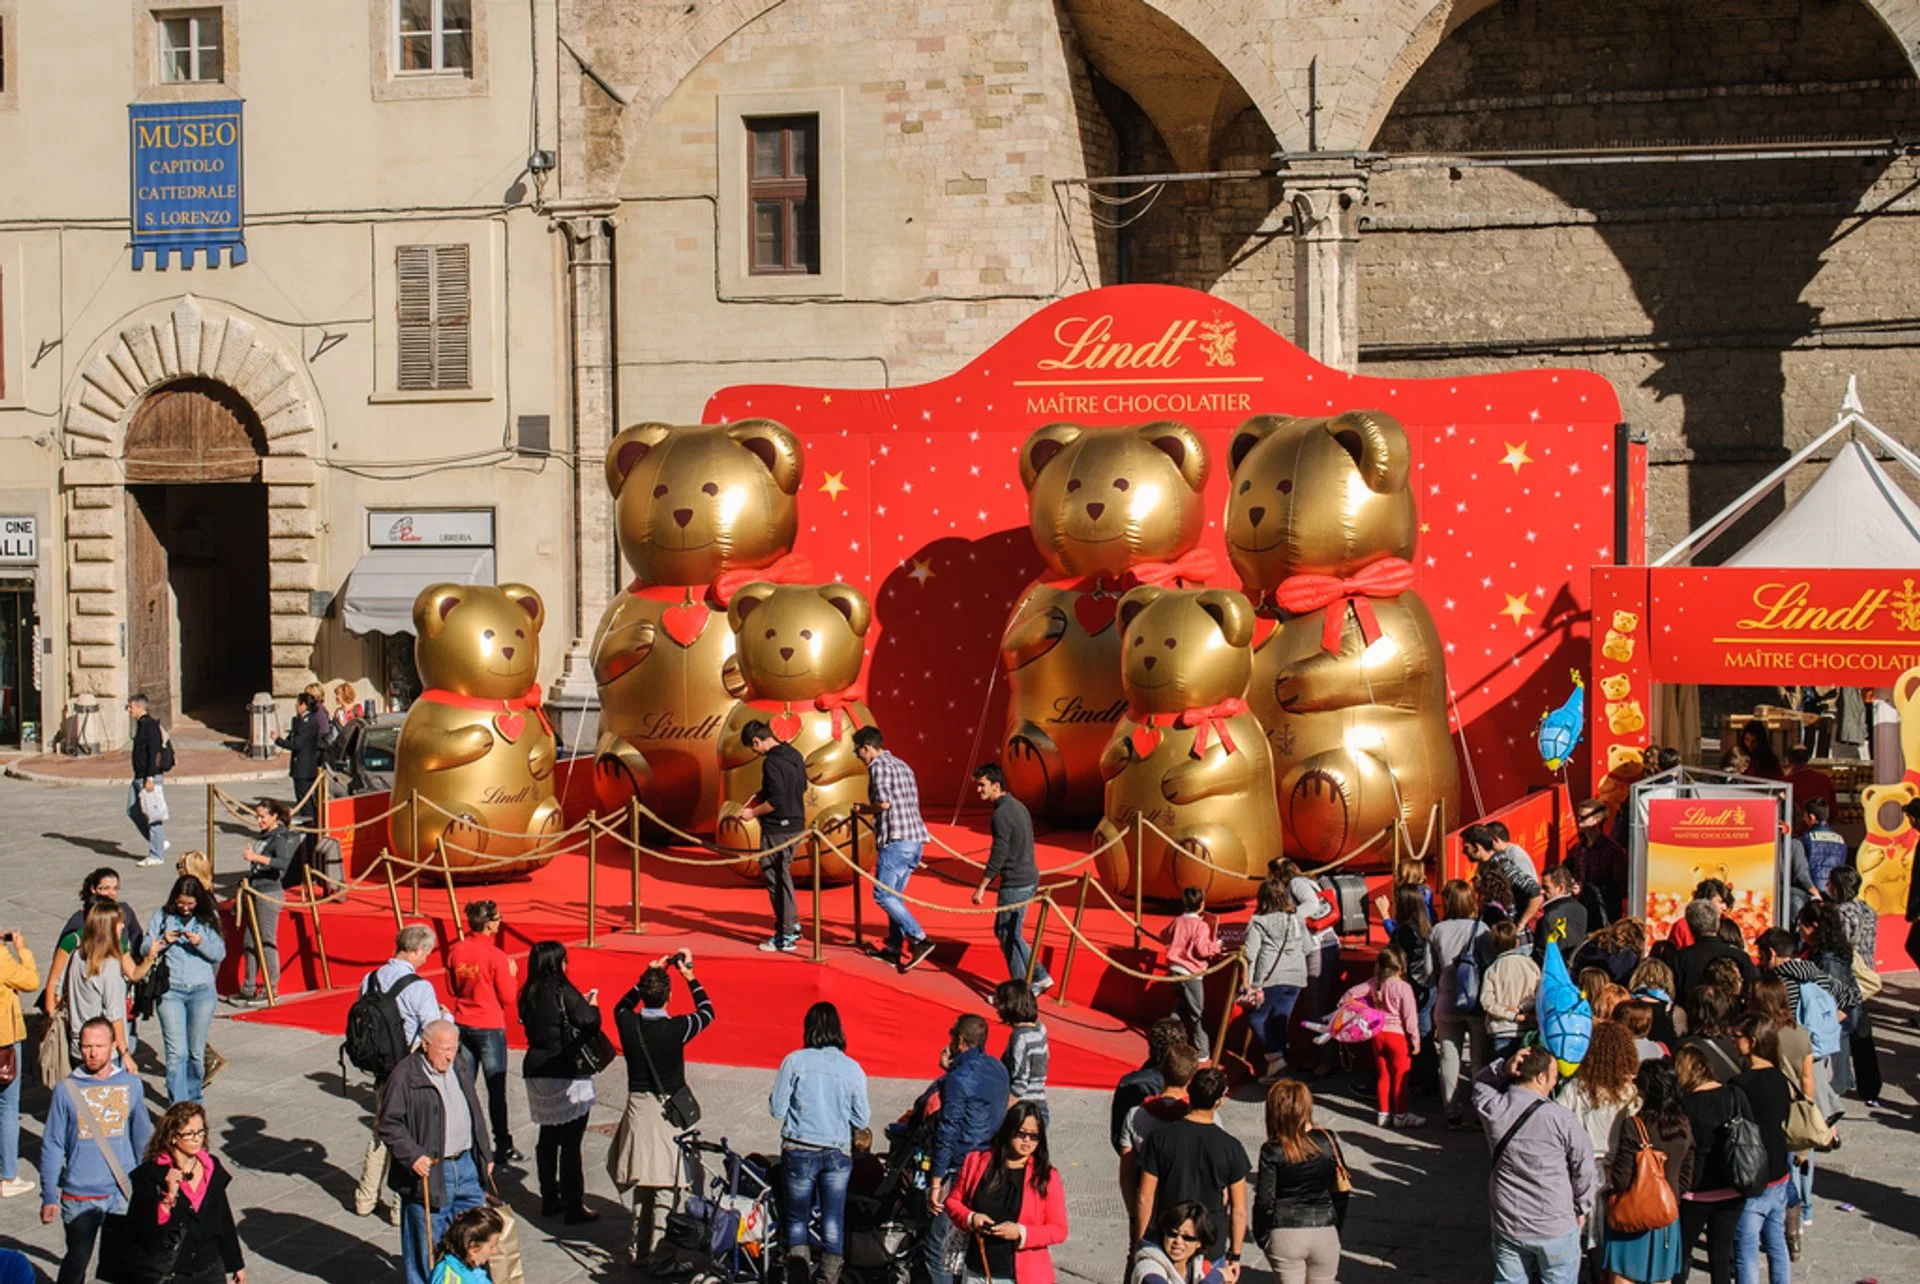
(1183, 1236)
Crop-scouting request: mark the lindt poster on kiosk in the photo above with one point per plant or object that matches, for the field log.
(1735, 840)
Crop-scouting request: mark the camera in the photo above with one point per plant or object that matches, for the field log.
(678, 959)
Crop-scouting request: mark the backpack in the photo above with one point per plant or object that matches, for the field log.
(1466, 977)
(163, 761)
(1817, 1013)
(376, 1030)
(1354, 1021)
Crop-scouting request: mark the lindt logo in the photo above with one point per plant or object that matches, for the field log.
(1706, 816)
(1789, 608)
(1089, 344)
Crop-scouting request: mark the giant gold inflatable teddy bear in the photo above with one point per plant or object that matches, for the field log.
(1109, 508)
(476, 748)
(1351, 686)
(698, 511)
(1188, 756)
(797, 658)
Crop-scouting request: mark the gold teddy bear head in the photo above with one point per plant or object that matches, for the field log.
(1101, 500)
(1184, 648)
(478, 640)
(797, 641)
(691, 503)
(1317, 496)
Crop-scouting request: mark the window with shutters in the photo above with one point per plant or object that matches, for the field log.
(435, 335)
(783, 195)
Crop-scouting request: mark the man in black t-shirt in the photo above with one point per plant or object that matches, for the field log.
(781, 807)
(1192, 1159)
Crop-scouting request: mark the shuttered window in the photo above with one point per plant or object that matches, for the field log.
(435, 292)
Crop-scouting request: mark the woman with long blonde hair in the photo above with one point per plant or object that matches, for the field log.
(1300, 1199)
(98, 975)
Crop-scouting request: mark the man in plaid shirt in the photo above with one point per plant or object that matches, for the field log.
(901, 835)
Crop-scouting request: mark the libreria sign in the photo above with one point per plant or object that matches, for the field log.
(187, 185)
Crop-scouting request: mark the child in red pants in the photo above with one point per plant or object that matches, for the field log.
(1398, 1040)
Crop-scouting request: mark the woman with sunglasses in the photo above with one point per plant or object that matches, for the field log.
(1172, 1254)
(1011, 1203)
(179, 1225)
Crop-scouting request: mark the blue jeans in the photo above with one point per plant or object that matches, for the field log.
(933, 1245)
(1269, 1020)
(10, 1118)
(156, 835)
(488, 1048)
(1802, 1172)
(814, 1177)
(896, 864)
(185, 1015)
(1010, 925)
(1764, 1218)
(462, 1191)
(1555, 1262)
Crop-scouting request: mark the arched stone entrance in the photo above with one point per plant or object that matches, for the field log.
(188, 377)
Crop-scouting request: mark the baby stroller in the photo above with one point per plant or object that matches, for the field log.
(726, 1232)
(887, 1222)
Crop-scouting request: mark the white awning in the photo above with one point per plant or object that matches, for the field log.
(1853, 515)
(380, 593)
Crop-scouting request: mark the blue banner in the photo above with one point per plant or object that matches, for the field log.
(187, 184)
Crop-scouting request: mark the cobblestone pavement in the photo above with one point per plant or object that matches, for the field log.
(280, 1116)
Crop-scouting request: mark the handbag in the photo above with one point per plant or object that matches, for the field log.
(148, 990)
(53, 1046)
(1342, 1179)
(682, 1108)
(9, 1065)
(1806, 1128)
(590, 1051)
(1648, 1203)
(1742, 1152)
(1865, 977)
(507, 1266)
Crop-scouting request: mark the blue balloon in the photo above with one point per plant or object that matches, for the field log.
(1561, 730)
(1566, 1020)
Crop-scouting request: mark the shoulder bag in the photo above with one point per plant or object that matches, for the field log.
(1743, 1154)
(682, 1108)
(53, 1045)
(1648, 1204)
(590, 1051)
(1342, 1179)
(1500, 1147)
(145, 994)
(1807, 1128)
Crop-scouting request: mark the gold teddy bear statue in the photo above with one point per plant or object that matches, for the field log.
(796, 664)
(476, 750)
(1351, 686)
(698, 512)
(1109, 508)
(1187, 757)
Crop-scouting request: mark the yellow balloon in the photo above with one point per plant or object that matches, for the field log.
(1101, 502)
(475, 748)
(1359, 730)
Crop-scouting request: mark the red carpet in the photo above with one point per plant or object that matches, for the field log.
(896, 1024)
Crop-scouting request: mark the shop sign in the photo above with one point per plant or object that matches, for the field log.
(187, 187)
(1735, 840)
(19, 541)
(1762, 627)
(430, 528)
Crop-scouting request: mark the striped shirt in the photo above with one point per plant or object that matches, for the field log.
(890, 781)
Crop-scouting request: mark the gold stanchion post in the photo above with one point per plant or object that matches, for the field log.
(259, 947)
(393, 889)
(593, 884)
(633, 835)
(819, 954)
(1073, 938)
(413, 853)
(1238, 974)
(319, 934)
(1139, 876)
(453, 900)
(853, 829)
(213, 800)
(1039, 932)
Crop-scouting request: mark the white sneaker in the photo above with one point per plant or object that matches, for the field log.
(14, 1186)
(148, 862)
(166, 844)
(1382, 1119)
(1410, 1121)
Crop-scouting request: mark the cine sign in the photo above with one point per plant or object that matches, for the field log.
(19, 543)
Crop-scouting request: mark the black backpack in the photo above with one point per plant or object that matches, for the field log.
(376, 1031)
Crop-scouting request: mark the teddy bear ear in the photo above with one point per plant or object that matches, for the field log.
(1183, 446)
(1232, 612)
(746, 601)
(527, 598)
(1379, 448)
(850, 602)
(434, 605)
(1251, 434)
(1136, 601)
(1908, 688)
(628, 449)
(775, 446)
(1040, 449)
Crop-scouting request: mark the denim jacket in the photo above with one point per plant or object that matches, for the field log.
(819, 1096)
(190, 966)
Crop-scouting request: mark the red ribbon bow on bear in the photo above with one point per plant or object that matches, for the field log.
(785, 723)
(1194, 567)
(1304, 594)
(794, 568)
(1206, 722)
(510, 721)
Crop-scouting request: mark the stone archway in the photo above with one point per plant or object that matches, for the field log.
(180, 339)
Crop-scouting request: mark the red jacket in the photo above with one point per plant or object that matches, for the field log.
(1044, 1217)
(481, 981)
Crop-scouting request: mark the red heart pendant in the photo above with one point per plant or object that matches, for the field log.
(785, 726)
(510, 725)
(1095, 612)
(1145, 740)
(685, 622)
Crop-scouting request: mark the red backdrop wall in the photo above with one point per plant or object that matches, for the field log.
(914, 495)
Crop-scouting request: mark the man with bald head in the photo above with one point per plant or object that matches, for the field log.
(442, 1158)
